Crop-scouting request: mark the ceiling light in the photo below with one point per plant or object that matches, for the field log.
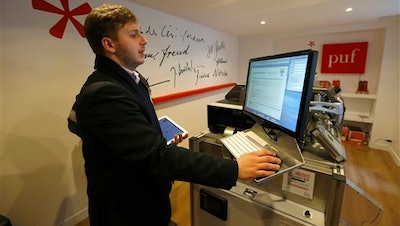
(349, 9)
(263, 22)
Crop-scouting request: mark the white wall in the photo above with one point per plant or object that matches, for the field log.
(42, 180)
(382, 69)
(184, 55)
(386, 125)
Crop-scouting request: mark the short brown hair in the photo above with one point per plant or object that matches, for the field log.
(105, 21)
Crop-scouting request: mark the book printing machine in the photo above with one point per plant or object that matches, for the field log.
(316, 193)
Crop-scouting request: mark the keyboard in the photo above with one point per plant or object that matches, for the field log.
(286, 149)
(241, 143)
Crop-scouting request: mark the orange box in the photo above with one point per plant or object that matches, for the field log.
(356, 137)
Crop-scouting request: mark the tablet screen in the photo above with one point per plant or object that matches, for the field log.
(169, 128)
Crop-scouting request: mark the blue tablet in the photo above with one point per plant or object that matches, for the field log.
(170, 128)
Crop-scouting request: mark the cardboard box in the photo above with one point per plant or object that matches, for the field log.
(356, 137)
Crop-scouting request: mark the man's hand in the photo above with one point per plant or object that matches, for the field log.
(179, 138)
(260, 163)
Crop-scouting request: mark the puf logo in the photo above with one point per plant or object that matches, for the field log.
(344, 58)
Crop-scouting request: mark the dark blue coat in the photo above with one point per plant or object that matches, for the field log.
(128, 165)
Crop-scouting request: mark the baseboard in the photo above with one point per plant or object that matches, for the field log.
(389, 149)
(395, 158)
(76, 218)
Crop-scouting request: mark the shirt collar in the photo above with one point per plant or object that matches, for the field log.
(130, 71)
(133, 74)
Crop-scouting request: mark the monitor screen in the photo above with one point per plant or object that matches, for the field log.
(279, 89)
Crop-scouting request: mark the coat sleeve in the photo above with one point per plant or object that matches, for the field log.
(198, 167)
(112, 116)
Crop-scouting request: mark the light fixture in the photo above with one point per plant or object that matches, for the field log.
(263, 22)
(349, 9)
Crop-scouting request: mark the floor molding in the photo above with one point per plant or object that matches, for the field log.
(388, 148)
(76, 218)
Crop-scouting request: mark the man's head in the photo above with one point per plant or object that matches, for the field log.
(105, 21)
(113, 31)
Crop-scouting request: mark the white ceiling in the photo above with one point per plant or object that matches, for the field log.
(242, 17)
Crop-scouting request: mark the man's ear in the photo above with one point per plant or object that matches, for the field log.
(108, 45)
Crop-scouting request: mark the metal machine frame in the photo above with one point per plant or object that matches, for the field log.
(267, 203)
(314, 194)
(272, 203)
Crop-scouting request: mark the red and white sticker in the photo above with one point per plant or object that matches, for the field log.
(299, 182)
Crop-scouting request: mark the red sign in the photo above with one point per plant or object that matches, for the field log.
(344, 58)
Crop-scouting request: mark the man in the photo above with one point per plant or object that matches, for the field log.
(128, 164)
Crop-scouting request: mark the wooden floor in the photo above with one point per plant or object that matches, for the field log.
(180, 203)
(84, 223)
(373, 171)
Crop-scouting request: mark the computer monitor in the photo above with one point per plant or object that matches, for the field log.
(279, 90)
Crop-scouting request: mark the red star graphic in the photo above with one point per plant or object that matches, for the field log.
(311, 44)
(59, 28)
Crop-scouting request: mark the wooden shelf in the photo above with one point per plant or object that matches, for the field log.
(358, 117)
(359, 95)
(359, 107)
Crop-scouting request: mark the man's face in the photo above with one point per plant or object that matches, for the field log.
(130, 46)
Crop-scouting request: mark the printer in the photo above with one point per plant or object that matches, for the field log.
(227, 114)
